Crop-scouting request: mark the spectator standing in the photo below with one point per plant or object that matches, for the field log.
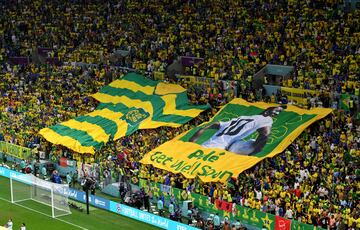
(332, 222)
(160, 206)
(216, 222)
(173, 199)
(324, 221)
(55, 178)
(289, 214)
(172, 210)
(44, 172)
(22, 165)
(74, 178)
(258, 194)
(68, 179)
(237, 224)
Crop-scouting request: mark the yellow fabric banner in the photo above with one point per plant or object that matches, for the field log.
(15, 150)
(239, 136)
(298, 95)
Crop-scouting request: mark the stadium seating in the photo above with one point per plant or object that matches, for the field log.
(316, 177)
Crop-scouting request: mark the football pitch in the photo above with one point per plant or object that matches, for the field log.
(38, 220)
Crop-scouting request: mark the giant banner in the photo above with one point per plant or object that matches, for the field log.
(126, 105)
(240, 135)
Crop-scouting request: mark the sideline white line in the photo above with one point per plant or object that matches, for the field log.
(45, 214)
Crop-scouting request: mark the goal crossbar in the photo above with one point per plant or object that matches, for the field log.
(28, 187)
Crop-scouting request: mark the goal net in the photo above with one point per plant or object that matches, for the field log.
(39, 195)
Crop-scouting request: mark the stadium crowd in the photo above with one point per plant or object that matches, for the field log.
(316, 180)
(34, 97)
(235, 38)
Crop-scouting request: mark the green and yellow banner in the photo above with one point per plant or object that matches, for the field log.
(345, 102)
(239, 136)
(126, 105)
(15, 150)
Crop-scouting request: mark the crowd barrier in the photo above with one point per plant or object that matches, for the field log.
(114, 207)
(247, 216)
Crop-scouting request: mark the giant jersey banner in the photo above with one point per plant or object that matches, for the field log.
(126, 105)
(240, 135)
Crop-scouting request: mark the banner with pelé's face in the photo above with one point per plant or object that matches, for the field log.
(240, 135)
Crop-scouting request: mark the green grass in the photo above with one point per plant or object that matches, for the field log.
(98, 218)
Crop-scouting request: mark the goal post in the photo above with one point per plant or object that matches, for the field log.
(42, 196)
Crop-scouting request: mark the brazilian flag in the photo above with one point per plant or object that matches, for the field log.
(126, 105)
(344, 102)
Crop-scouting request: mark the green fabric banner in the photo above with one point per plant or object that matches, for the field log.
(296, 225)
(238, 137)
(344, 102)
